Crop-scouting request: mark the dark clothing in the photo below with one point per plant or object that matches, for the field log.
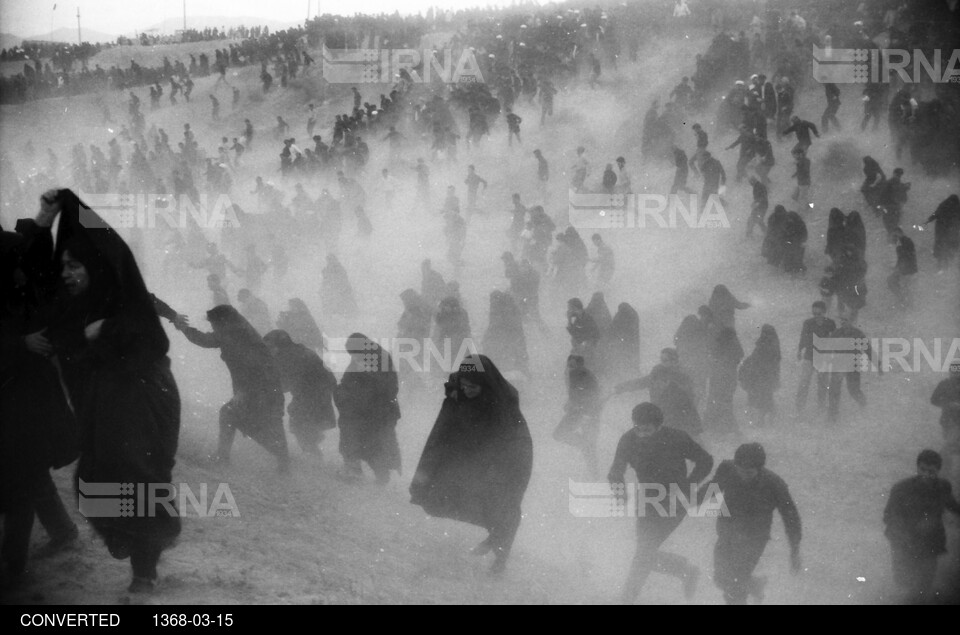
(120, 385)
(580, 424)
(914, 515)
(725, 358)
(713, 176)
(311, 386)
(820, 327)
(660, 459)
(946, 396)
(660, 464)
(734, 559)
(367, 401)
(914, 526)
(946, 230)
(760, 377)
(743, 534)
(724, 306)
(906, 257)
(256, 408)
(38, 431)
(583, 330)
(803, 130)
(673, 392)
(504, 339)
(478, 458)
(803, 171)
(852, 378)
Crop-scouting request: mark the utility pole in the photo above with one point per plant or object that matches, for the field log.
(184, 15)
(79, 39)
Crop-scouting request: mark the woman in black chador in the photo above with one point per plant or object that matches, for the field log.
(477, 460)
(113, 352)
(367, 401)
(336, 293)
(724, 306)
(311, 386)
(452, 331)
(725, 356)
(299, 324)
(623, 341)
(504, 338)
(256, 408)
(760, 376)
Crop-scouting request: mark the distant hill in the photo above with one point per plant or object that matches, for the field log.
(204, 21)
(70, 36)
(8, 40)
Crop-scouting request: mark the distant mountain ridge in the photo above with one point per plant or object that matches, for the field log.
(9, 40)
(69, 35)
(171, 25)
(167, 27)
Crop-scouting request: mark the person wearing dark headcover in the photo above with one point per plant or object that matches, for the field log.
(311, 386)
(946, 396)
(413, 330)
(255, 311)
(299, 324)
(658, 455)
(873, 178)
(477, 461)
(946, 231)
(760, 375)
(336, 293)
(851, 275)
(890, 199)
(583, 330)
(504, 339)
(452, 330)
(794, 237)
(367, 401)
(524, 286)
(623, 338)
(751, 493)
(432, 285)
(600, 312)
(256, 408)
(38, 431)
(724, 305)
(773, 240)
(855, 233)
(900, 280)
(835, 233)
(113, 351)
(758, 210)
(580, 424)
(725, 356)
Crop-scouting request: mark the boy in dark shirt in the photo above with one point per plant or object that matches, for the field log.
(750, 495)
(914, 520)
(821, 326)
(658, 456)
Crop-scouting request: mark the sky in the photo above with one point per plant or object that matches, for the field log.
(37, 17)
